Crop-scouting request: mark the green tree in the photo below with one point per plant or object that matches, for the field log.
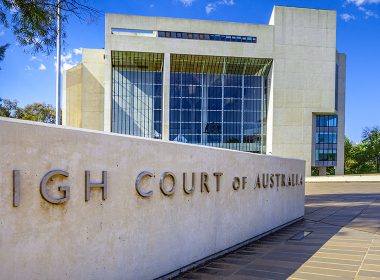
(8, 108)
(34, 22)
(3, 48)
(349, 156)
(364, 157)
(363, 164)
(39, 112)
(371, 142)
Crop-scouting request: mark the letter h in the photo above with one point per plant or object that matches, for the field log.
(90, 185)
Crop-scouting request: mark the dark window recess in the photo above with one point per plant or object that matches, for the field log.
(208, 37)
(213, 128)
(326, 134)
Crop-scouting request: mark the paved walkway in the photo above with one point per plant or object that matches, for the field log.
(344, 243)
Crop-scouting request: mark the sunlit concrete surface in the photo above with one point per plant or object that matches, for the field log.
(109, 222)
(344, 243)
(344, 178)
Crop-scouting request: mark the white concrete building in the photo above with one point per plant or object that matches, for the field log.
(277, 89)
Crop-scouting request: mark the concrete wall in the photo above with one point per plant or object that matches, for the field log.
(84, 92)
(72, 97)
(344, 178)
(341, 110)
(127, 236)
(303, 78)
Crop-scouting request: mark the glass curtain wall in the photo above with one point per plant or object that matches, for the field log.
(326, 140)
(219, 101)
(137, 93)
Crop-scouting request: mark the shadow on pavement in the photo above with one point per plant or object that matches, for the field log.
(345, 229)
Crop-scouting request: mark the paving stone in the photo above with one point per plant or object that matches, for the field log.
(369, 273)
(332, 265)
(260, 273)
(344, 243)
(327, 271)
(373, 267)
(312, 276)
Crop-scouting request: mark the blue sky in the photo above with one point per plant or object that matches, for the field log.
(31, 78)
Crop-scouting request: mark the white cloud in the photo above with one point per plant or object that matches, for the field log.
(67, 66)
(362, 2)
(67, 57)
(211, 7)
(77, 51)
(70, 59)
(42, 67)
(35, 58)
(187, 3)
(28, 68)
(347, 17)
(228, 2)
(368, 13)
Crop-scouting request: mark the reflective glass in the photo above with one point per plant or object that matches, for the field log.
(326, 140)
(203, 111)
(205, 36)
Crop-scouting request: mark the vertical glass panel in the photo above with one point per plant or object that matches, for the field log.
(326, 140)
(137, 93)
(210, 107)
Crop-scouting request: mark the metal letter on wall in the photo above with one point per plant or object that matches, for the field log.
(65, 189)
(236, 183)
(162, 181)
(217, 176)
(16, 188)
(244, 182)
(204, 182)
(188, 191)
(90, 185)
(138, 183)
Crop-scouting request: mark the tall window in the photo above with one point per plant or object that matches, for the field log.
(216, 103)
(326, 140)
(137, 93)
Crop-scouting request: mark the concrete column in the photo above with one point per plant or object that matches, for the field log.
(269, 143)
(107, 92)
(341, 108)
(166, 97)
(307, 169)
(64, 99)
(322, 171)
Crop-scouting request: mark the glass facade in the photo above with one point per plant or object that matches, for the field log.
(209, 37)
(326, 140)
(137, 93)
(213, 108)
(214, 101)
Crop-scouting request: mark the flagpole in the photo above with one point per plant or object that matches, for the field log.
(58, 70)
